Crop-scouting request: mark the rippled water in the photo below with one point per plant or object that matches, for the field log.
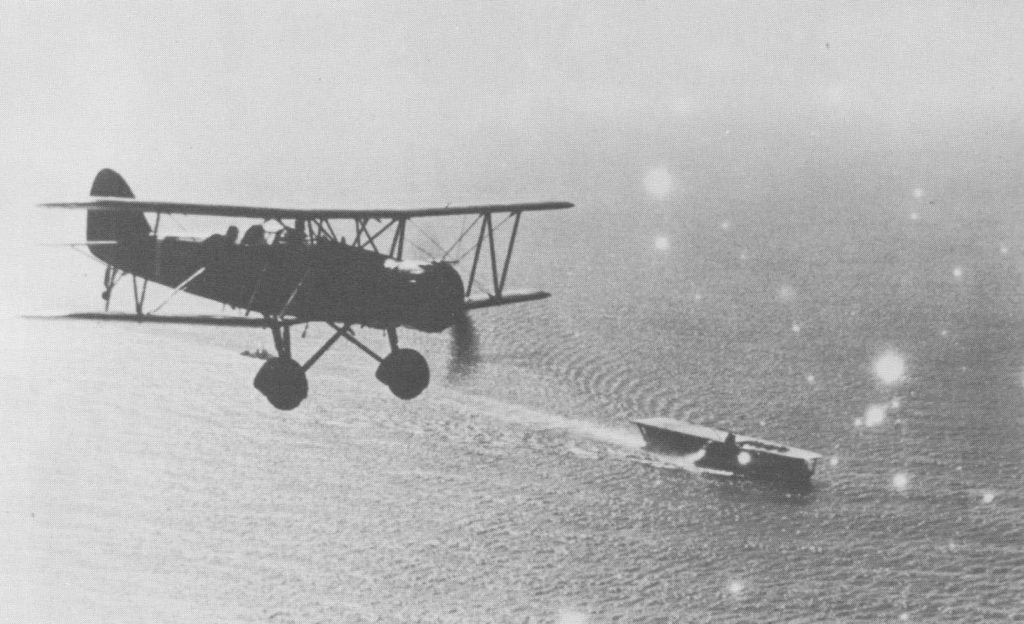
(144, 479)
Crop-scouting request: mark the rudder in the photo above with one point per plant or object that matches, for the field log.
(112, 225)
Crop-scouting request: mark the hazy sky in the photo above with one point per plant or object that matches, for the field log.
(664, 111)
(327, 103)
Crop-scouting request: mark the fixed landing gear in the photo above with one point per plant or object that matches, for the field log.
(283, 380)
(405, 373)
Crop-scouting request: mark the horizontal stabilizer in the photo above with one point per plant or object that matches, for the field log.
(517, 296)
(188, 319)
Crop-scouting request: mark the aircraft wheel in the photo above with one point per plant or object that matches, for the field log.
(283, 382)
(405, 372)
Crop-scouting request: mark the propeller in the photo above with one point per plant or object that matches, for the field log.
(465, 353)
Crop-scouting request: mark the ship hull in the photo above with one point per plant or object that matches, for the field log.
(742, 456)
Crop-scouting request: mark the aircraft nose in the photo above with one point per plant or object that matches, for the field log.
(441, 295)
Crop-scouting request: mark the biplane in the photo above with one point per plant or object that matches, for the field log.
(300, 272)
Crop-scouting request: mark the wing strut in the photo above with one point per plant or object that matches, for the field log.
(366, 238)
(139, 296)
(298, 286)
(256, 288)
(398, 242)
(486, 237)
(177, 289)
(508, 254)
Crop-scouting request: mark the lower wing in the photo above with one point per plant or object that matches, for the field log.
(509, 296)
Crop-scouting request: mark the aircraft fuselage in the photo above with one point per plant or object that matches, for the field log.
(325, 280)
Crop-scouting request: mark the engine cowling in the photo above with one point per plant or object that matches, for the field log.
(435, 294)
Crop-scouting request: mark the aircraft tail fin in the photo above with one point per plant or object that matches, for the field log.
(109, 225)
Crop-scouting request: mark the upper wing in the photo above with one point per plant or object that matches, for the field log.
(220, 210)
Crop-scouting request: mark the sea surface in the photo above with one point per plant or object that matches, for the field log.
(143, 479)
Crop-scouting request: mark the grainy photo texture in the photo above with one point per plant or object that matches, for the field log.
(462, 312)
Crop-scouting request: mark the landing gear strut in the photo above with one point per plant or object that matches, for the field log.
(110, 278)
(283, 380)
